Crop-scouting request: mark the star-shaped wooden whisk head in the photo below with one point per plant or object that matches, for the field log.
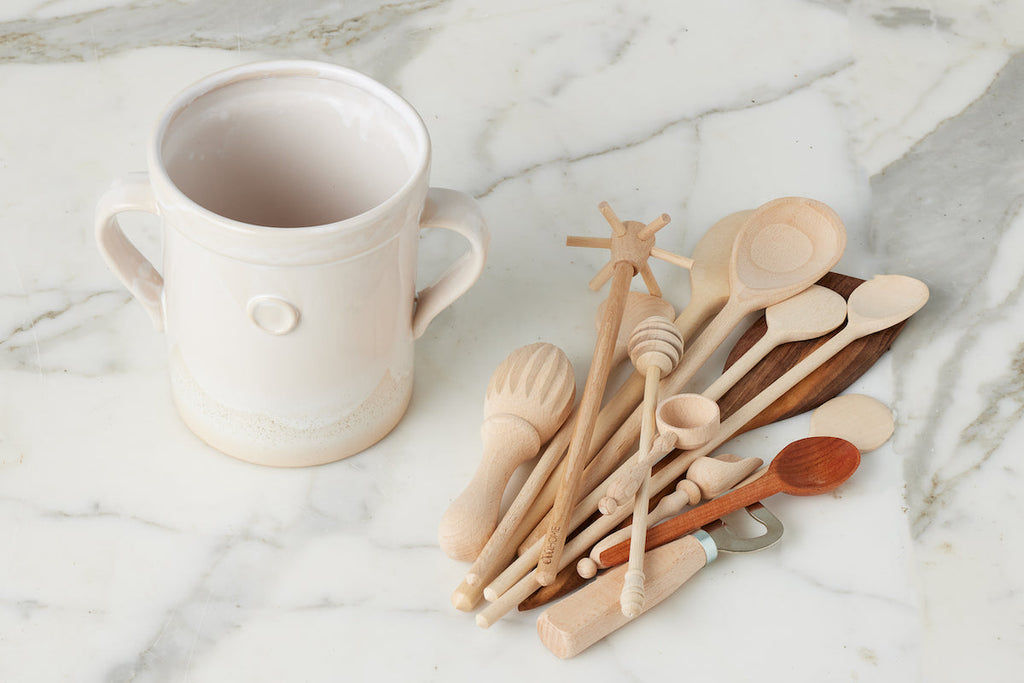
(631, 242)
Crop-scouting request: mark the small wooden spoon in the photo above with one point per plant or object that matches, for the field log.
(807, 467)
(814, 312)
(528, 398)
(828, 381)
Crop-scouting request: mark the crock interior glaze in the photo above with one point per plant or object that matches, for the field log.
(289, 151)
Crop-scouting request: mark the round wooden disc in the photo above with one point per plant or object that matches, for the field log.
(865, 422)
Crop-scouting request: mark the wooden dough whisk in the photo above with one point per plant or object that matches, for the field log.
(631, 244)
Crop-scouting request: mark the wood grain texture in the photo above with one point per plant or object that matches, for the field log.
(807, 467)
(821, 385)
(589, 615)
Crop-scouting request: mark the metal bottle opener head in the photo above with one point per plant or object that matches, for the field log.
(718, 537)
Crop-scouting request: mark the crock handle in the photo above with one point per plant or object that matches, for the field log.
(456, 211)
(131, 267)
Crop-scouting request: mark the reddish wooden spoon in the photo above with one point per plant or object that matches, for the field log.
(807, 467)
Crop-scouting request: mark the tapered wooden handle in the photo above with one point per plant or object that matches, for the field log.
(472, 517)
(593, 612)
(579, 447)
(629, 477)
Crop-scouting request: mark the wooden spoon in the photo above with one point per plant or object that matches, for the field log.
(807, 467)
(709, 274)
(528, 398)
(814, 312)
(828, 381)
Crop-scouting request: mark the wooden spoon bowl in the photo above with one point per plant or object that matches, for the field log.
(790, 240)
(814, 465)
(691, 418)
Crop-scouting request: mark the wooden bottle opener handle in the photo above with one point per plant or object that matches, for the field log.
(588, 615)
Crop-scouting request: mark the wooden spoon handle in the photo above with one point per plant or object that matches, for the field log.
(590, 405)
(590, 614)
(628, 478)
(467, 524)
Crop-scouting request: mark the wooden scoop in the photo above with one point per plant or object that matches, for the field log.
(684, 421)
(807, 467)
(528, 398)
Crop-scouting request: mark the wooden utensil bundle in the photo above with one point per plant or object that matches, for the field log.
(770, 256)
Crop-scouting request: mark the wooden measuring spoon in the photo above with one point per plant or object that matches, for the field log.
(814, 312)
(828, 381)
(864, 421)
(528, 398)
(807, 467)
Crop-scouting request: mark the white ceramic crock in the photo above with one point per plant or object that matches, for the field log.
(290, 346)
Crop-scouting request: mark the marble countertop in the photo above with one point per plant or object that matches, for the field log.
(133, 552)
